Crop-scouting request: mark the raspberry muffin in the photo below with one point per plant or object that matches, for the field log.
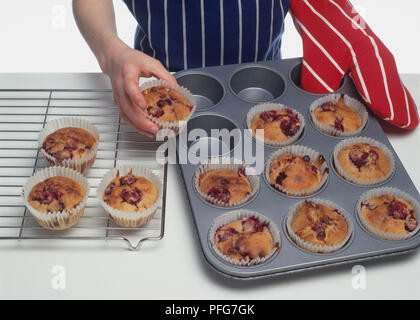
(244, 238)
(390, 214)
(56, 197)
(297, 173)
(363, 161)
(69, 142)
(281, 125)
(227, 186)
(130, 199)
(317, 226)
(166, 104)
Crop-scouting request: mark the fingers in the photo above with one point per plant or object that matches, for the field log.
(131, 85)
(160, 72)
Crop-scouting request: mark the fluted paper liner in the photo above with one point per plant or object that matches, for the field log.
(342, 172)
(80, 164)
(238, 215)
(176, 126)
(263, 107)
(356, 105)
(374, 193)
(56, 220)
(130, 219)
(299, 151)
(313, 247)
(223, 163)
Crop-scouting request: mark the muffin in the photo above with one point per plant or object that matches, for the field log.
(56, 197)
(244, 238)
(167, 104)
(69, 142)
(363, 163)
(129, 194)
(390, 214)
(281, 124)
(297, 173)
(228, 186)
(225, 183)
(339, 115)
(318, 226)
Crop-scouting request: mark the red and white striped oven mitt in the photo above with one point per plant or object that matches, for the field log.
(336, 41)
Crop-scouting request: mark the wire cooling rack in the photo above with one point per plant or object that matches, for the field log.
(23, 113)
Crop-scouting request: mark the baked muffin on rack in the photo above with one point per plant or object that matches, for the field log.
(364, 162)
(228, 186)
(69, 143)
(338, 116)
(243, 239)
(295, 173)
(130, 193)
(319, 224)
(166, 104)
(390, 214)
(278, 125)
(56, 194)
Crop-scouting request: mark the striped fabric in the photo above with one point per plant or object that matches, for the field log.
(337, 41)
(200, 33)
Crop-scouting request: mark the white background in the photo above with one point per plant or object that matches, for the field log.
(33, 39)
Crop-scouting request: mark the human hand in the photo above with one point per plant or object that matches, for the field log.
(125, 66)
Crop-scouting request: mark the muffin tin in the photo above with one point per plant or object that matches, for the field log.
(224, 96)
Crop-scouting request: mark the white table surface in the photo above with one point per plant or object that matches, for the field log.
(174, 268)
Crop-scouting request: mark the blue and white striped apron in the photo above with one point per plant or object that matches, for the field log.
(186, 34)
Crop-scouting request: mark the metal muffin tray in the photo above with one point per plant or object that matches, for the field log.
(224, 96)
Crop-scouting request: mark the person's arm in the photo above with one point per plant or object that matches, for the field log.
(336, 41)
(123, 65)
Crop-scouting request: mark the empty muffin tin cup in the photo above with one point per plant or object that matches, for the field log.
(207, 91)
(264, 107)
(224, 163)
(257, 84)
(58, 220)
(175, 126)
(306, 245)
(302, 151)
(397, 194)
(345, 174)
(356, 105)
(130, 219)
(210, 145)
(80, 164)
(239, 215)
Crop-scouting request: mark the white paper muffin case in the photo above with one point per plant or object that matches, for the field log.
(263, 107)
(348, 101)
(56, 220)
(342, 172)
(223, 163)
(310, 246)
(126, 218)
(374, 193)
(80, 164)
(299, 151)
(238, 215)
(175, 126)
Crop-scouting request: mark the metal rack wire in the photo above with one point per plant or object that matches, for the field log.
(23, 113)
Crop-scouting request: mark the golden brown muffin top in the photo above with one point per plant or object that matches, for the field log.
(166, 104)
(130, 193)
(56, 194)
(295, 173)
(319, 224)
(278, 125)
(228, 186)
(364, 162)
(339, 116)
(69, 143)
(390, 214)
(244, 239)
